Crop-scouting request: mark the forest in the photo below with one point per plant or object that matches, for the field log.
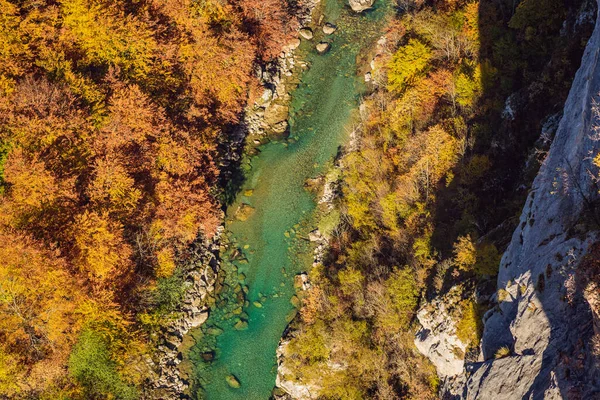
(111, 114)
(431, 195)
(115, 119)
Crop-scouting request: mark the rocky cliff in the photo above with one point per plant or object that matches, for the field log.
(537, 338)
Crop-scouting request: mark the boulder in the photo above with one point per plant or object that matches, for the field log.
(198, 319)
(233, 382)
(208, 356)
(240, 325)
(292, 45)
(361, 5)
(301, 281)
(276, 116)
(314, 236)
(437, 338)
(329, 28)
(244, 211)
(323, 47)
(306, 33)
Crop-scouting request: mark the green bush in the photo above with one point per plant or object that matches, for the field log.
(91, 365)
(169, 292)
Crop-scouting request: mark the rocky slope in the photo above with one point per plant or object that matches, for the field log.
(200, 279)
(541, 320)
(268, 115)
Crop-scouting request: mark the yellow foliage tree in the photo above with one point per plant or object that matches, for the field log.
(101, 251)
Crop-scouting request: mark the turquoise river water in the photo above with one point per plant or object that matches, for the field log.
(265, 251)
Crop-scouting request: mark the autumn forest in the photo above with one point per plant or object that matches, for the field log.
(117, 123)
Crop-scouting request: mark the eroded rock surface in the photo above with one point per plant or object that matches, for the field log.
(437, 338)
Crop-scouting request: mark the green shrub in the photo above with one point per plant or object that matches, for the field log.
(169, 292)
(91, 365)
(488, 259)
(403, 291)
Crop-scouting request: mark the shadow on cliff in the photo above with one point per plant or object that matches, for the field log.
(529, 57)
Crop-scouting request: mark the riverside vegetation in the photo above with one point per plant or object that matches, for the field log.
(445, 146)
(111, 114)
(113, 121)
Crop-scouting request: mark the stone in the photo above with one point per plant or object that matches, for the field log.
(208, 356)
(306, 33)
(437, 338)
(293, 44)
(329, 28)
(361, 5)
(214, 331)
(276, 116)
(301, 281)
(198, 319)
(323, 47)
(240, 325)
(243, 212)
(314, 236)
(233, 381)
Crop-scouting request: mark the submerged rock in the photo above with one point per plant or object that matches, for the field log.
(361, 5)
(233, 382)
(323, 47)
(241, 325)
(208, 356)
(244, 212)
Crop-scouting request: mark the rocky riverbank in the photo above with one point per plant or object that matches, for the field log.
(200, 278)
(268, 116)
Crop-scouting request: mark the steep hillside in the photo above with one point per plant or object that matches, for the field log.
(542, 320)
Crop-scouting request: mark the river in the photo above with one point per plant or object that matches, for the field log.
(266, 250)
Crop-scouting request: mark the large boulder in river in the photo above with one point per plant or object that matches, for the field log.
(276, 116)
(306, 33)
(329, 28)
(233, 382)
(361, 5)
(323, 47)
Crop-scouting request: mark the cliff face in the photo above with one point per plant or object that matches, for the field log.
(541, 318)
